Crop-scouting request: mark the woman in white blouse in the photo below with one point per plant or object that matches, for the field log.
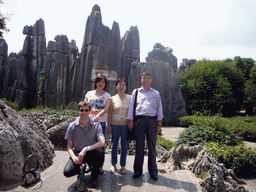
(100, 102)
(118, 125)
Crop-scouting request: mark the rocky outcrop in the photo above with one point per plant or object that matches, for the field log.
(164, 54)
(3, 63)
(27, 66)
(18, 139)
(56, 69)
(218, 177)
(101, 49)
(185, 64)
(130, 52)
(164, 81)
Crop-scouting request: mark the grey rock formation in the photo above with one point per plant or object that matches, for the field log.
(130, 52)
(57, 71)
(27, 66)
(185, 64)
(101, 49)
(164, 54)
(18, 139)
(200, 161)
(164, 81)
(3, 63)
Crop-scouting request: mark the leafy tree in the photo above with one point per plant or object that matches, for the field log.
(214, 86)
(250, 92)
(245, 64)
(3, 26)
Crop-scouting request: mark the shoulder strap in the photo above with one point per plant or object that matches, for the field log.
(135, 102)
(34, 168)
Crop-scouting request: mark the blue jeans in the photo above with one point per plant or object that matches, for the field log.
(103, 125)
(117, 131)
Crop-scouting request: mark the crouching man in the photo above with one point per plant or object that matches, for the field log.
(85, 139)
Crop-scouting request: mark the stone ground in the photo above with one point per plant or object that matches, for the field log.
(52, 179)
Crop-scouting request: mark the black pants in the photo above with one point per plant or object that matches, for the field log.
(145, 127)
(93, 158)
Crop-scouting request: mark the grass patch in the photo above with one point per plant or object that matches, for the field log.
(165, 143)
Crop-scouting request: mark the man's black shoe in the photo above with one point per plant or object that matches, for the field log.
(135, 176)
(154, 177)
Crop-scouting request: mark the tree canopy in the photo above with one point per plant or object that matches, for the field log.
(213, 86)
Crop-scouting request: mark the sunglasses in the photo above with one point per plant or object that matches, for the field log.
(86, 110)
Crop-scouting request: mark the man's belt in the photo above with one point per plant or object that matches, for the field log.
(146, 117)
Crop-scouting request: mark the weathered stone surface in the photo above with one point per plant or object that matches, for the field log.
(18, 139)
(101, 49)
(164, 81)
(3, 63)
(25, 68)
(164, 54)
(186, 63)
(130, 52)
(199, 161)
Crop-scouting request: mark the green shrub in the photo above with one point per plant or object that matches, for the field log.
(165, 143)
(239, 158)
(208, 130)
(242, 126)
(10, 104)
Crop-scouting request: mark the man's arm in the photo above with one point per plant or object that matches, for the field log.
(100, 143)
(75, 159)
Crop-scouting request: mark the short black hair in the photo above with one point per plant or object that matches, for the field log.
(145, 73)
(120, 80)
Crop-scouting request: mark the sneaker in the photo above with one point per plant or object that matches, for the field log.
(101, 171)
(123, 170)
(113, 169)
(94, 183)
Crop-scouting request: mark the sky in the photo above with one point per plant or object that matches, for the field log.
(198, 29)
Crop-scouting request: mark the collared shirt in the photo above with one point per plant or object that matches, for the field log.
(148, 104)
(82, 137)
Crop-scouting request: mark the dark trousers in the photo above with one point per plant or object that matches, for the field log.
(146, 127)
(93, 158)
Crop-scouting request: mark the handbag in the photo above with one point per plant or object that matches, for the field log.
(33, 174)
(131, 133)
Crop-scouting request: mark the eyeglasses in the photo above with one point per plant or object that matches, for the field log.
(84, 110)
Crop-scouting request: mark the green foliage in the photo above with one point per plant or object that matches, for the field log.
(3, 27)
(245, 65)
(241, 126)
(212, 86)
(239, 158)
(49, 111)
(10, 104)
(165, 143)
(206, 130)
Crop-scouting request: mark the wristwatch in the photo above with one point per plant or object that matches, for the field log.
(87, 148)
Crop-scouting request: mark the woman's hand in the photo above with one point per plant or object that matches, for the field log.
(96, 118)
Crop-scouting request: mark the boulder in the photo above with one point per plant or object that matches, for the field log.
(18, 139)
